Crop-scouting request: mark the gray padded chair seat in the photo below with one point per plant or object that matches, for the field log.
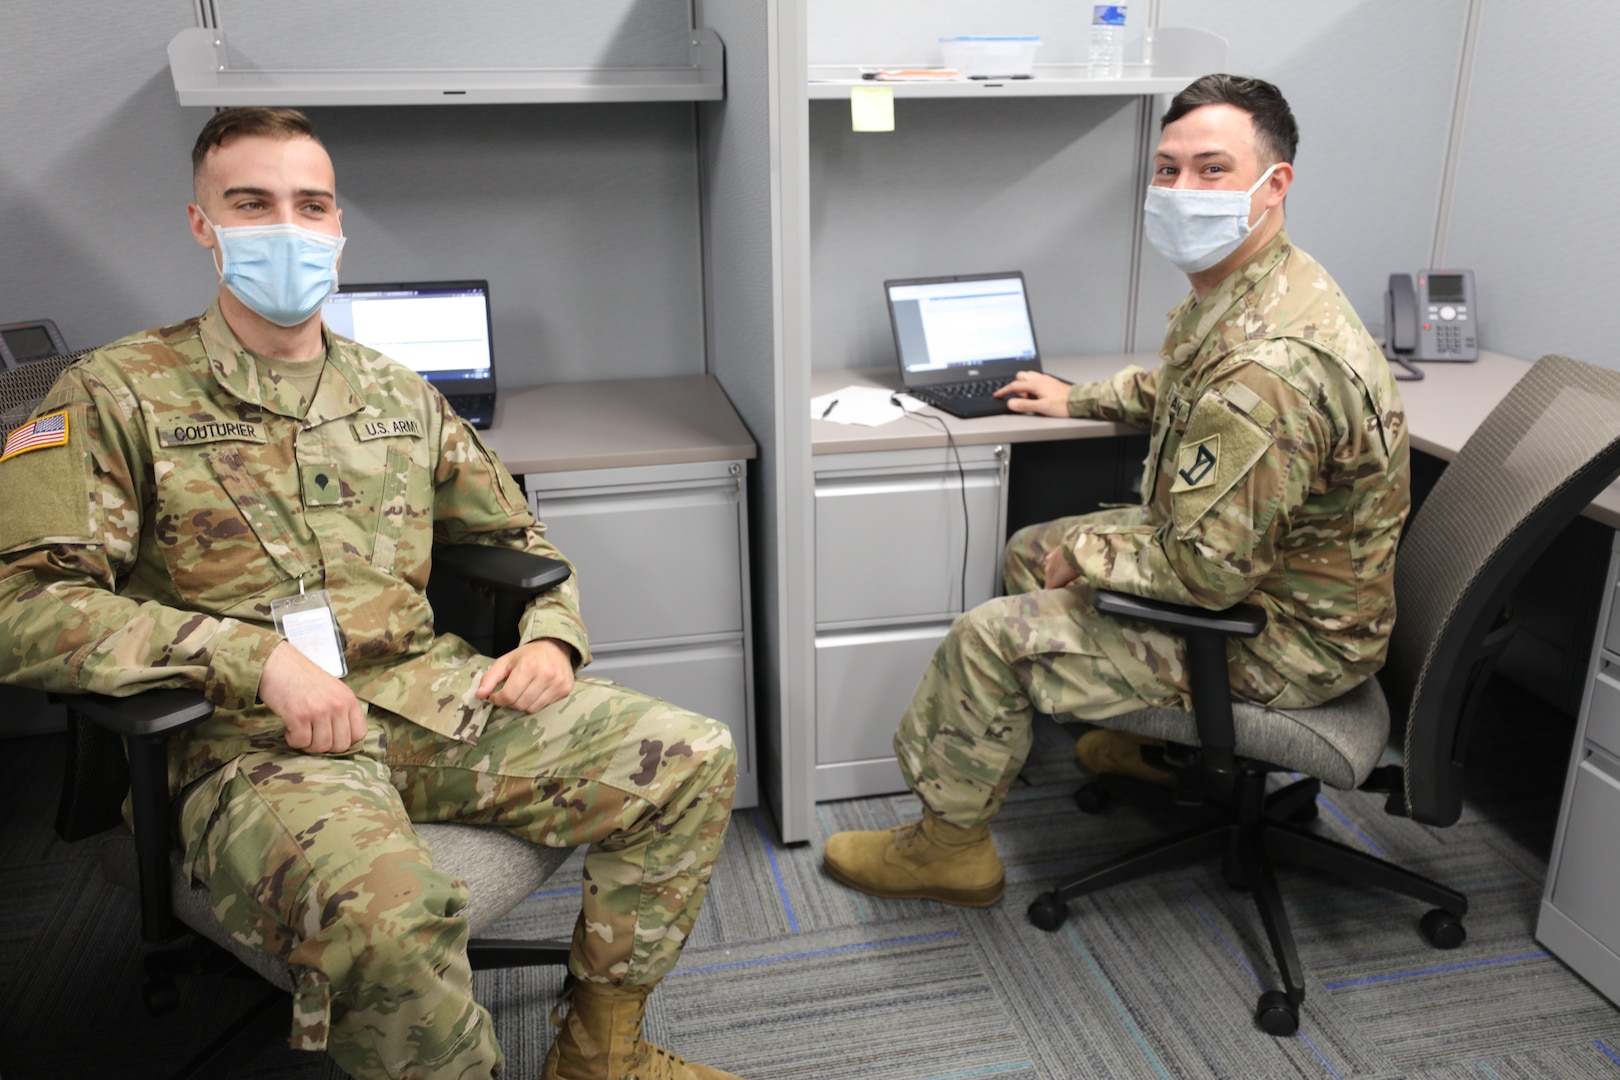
(500, 870)
(1338, 742)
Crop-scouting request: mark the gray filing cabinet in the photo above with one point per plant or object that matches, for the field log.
(662, 557)
(1580, 910)
(890, 539)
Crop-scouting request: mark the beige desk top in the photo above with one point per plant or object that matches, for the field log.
(617, 424)
(1442, 410)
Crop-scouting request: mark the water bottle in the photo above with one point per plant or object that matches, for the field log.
(1107, 57)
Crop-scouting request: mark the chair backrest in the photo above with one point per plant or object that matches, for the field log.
(25, 386)
(1532, 466)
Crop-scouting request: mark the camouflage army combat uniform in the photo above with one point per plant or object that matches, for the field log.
(1277, 474)
(191, 491)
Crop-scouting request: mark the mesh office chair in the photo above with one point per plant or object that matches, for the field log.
(117, 746)
(1531, 467)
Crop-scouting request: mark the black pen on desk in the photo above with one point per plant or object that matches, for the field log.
(829, 408)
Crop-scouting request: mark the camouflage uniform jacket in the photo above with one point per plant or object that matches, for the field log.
(190, 495)
(1277, 474)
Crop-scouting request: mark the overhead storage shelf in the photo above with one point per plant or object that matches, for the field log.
(202, 76)
(1180, 55)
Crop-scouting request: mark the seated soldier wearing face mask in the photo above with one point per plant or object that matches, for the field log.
(1277, 475)
(210, 473)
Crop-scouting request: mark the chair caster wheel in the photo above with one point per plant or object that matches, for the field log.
(1047, 912)
(1092, 798)
(1276, 1015)
(160, 995)
(1442, 929)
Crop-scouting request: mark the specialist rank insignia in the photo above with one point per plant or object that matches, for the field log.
(39, 434)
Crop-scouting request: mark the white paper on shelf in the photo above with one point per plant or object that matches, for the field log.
(866, 405)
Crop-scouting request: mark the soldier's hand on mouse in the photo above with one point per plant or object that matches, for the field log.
(531, 676)
(1038, 393)
(322, 715)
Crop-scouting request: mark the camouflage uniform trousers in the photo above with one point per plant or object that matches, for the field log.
(312, 859)
(970, 724)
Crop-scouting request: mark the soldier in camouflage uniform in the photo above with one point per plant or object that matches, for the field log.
(207, 471)
(1277, 474)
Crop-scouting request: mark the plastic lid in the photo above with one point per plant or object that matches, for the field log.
(994, 37)
(1108, 15)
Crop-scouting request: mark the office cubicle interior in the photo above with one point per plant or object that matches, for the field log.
(747, 238)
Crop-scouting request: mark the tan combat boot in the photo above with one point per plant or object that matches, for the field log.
(929, 859)
(600, 1039)
(1120, 753)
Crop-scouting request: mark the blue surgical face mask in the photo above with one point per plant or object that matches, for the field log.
(1195, 229)
(283, 272)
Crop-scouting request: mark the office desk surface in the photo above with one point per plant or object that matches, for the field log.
(617, 424)
(1442, 411)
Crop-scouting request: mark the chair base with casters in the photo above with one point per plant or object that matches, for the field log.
(118, 745)
(1249, 830)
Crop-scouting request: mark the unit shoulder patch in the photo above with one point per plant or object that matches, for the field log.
(1221, 445)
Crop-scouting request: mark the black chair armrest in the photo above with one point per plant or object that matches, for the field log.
(1205, 633)
(513, 576)
(1239, 620)
(155, 712)
(146, 721)
(501, 568)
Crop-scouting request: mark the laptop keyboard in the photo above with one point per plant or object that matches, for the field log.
(959, 391)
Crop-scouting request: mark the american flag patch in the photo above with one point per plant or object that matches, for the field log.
(45, 432)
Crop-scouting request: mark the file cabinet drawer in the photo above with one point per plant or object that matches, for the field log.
(1588, 873)
(707, 679)
(658, 556)
(890, 532)
(864, 681)
(1603, 709)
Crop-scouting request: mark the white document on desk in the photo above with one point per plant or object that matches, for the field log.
(869, 406)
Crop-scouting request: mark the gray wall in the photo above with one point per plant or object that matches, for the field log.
(1534, 211)
(584, 218)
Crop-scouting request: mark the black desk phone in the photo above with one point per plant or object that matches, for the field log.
(21, 342)
(1434, 320)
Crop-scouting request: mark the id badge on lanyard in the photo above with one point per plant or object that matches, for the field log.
(307, 622)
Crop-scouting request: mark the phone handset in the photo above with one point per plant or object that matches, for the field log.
(1401, 326)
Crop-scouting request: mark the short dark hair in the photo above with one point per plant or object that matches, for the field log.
(248, 120)
(1276, 136)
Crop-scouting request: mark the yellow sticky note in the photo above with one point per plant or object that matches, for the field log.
(871, 108)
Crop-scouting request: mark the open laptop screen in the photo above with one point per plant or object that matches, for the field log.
(943, 326)
(441, 330)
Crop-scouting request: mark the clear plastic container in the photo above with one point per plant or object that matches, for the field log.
(983, 56)
(1107, 56)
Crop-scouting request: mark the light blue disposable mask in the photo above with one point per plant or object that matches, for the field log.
(283, 271)
(1195, 229)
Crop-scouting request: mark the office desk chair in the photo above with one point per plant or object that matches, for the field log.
(117, 746)
(1532, 466)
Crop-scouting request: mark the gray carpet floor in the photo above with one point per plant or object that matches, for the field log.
(790, 975)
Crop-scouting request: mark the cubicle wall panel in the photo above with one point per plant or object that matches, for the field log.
(890, 534)
(1539, 235)
(1042, 185)
(864, 680)
(655, 560)
(426, 34)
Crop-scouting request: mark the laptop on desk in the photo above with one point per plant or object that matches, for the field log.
(439, 329)
(961, 338)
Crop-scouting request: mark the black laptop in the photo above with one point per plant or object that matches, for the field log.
(439, 329)
(961, 338)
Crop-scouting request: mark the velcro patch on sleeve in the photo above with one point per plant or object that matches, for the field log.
(1220, 447)
(46, 494)
(42, 433)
